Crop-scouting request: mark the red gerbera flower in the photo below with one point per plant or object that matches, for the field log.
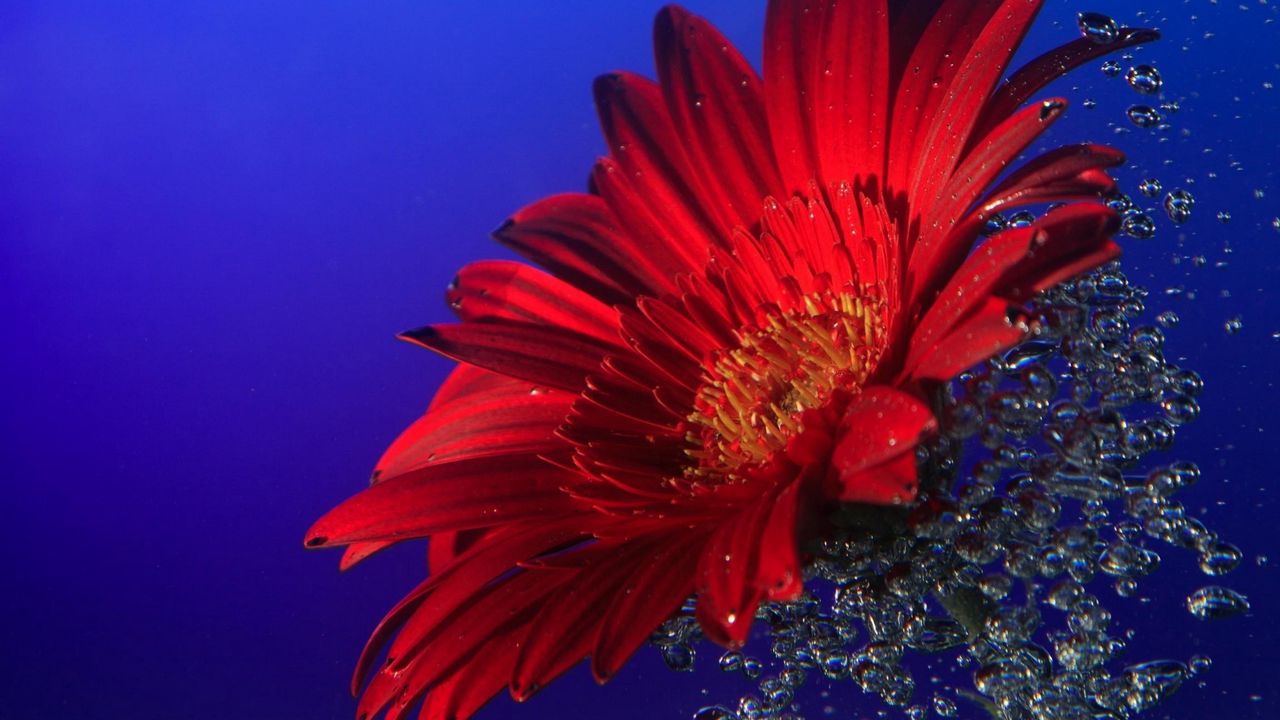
(740, 327)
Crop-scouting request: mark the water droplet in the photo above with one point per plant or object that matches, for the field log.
(731, 661)
(1144, 116)
(1215, 602)
(1234, 325)
(1178, 205)
(678, 657)
(1111, 68)
(1144, 78)
(1138, 225)
(1180, 409)
(715, 712)
(1099, 28)
(1224, 217)
(1126, 587)
(995, 224)
(1150, 187)
(1022, 218)
(1220, 558)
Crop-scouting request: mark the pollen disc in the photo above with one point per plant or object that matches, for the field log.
(752, 396)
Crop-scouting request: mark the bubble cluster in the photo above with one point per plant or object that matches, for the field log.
(1035, 504)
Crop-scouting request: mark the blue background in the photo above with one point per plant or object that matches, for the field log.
(214, 216)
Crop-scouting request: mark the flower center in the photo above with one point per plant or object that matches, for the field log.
(752, 397)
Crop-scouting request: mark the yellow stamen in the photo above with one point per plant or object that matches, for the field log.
(751, 398)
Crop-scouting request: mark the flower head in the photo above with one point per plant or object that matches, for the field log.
(740, 327)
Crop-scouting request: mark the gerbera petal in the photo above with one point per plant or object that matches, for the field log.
(498, 611)
(549, 356)
(357, 553)
(717, 103)
(879, 425)
(970, 287)
(679, 327)
(1073, 174)
(648, 147)
(1074, 171)
(452, 586)
(505, 290)
(654, 232)
(891, 482)
(972, 78)
(463, 692)
(652, 592)
(1035, 75)
(501, 415)
(851, 111)
(577, 238)
(728, 594)
(467, 381)
(386, 629)
(933, 64)
(985, 332)
(778, 573)
(445, 547)
(568, 627)
(1075, 238)
(938, 249)
(480, 492)
(1017, 263)
(790, 61)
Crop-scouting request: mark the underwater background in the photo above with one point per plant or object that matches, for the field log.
(214, 217)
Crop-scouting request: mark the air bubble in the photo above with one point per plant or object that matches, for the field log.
(731, 661)
(1178, 205)
(679, 657)
(1138, 225)
(1144, 116)
(1099, 28)
(1181, 409)
(1215, 603)
(995, 224)
(1151, 682)
(1022, 218)
(1144, 78)
(1220, 558)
